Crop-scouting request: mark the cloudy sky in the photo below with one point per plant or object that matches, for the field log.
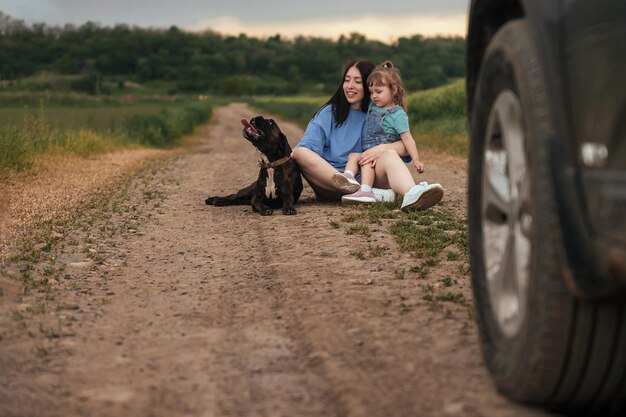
(384, 20)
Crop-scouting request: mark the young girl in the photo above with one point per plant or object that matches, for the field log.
(387, 122)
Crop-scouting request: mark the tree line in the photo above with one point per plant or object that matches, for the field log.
(212, 62)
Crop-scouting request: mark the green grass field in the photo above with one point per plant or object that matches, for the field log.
(27, 132)
(96, 118)
(438, 119)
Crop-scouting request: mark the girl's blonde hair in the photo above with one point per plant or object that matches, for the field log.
(387, 74)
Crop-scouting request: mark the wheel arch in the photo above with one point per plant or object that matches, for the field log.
(485, 18)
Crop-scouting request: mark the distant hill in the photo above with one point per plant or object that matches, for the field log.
(209, 61)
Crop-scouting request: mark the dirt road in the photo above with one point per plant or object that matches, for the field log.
(162, 306)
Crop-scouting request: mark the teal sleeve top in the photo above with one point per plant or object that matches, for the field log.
(394, 123)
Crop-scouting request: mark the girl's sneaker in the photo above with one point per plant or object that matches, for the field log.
(359, 197)
(422, 196)
(345, 182)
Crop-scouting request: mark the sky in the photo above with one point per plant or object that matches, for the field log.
(384, 20)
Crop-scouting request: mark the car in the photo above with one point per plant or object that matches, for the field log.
(546, 100)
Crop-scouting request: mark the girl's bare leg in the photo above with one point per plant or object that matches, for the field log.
(391, 172)
(353, 162)
(367, 175)
(317, 172)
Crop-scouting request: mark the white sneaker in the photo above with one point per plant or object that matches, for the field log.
(422, 196)
(384, 195)
(345, 182)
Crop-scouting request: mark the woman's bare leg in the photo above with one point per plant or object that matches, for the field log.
(391, 172)
(317, 172)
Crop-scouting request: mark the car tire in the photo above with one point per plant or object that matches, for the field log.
(542, 345)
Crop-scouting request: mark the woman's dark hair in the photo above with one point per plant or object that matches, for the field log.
(339, 102)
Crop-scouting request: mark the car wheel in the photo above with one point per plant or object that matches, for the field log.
(542, 345)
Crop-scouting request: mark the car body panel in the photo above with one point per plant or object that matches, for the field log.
(594, 44)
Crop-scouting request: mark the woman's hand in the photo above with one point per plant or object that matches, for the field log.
(419, 166)
(372, 154)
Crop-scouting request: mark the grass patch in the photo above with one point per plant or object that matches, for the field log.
(352, 217)
(452, 255)
(358, 229)
(447, 281)
(428, 233)
(377, 250)
(359, 254)
(400, 273)
(369, 252)
(425, 233)
(334, 224)
(41, 351)
(420, 270)
(26, 134)
(454, 297)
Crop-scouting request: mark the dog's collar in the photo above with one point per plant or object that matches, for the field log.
(275, 163)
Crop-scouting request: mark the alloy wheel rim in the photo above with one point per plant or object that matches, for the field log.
(507, 220)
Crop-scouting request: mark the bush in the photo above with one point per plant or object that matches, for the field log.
(163, 129)
(87, 84)
(438, 119)
(235, 85)
(438, 103)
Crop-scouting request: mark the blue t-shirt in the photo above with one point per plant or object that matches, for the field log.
(334, 143)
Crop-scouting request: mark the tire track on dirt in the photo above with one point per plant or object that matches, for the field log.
(263, 364)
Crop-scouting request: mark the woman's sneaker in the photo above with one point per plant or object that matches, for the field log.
(345, 182)
(384, 195)
(359, 197)
(422, 196)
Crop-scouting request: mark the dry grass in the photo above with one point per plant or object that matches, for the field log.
(57, 187)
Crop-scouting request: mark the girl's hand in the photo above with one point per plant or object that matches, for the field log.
(372, 154)
(418, 166)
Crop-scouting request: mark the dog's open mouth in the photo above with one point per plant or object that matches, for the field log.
(249, 128)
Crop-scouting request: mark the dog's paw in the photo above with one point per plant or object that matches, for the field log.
(209, 201)
(266, 211)
(289, 210)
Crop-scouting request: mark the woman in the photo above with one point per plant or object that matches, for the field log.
(336, 130)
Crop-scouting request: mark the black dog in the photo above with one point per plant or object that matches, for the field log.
(279, 183)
